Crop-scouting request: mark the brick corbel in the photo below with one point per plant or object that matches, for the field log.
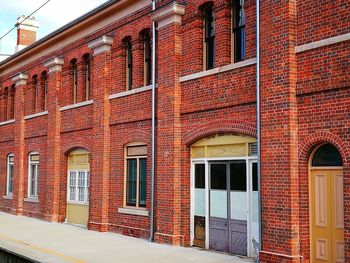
(101, 44)
(54, 64)
(169, 14)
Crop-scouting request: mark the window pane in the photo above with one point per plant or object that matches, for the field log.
(32, 179)
(255, 177)
(327, 155)
(72, 185)
(218, 176)
(238, 178)
(81, 186)
(10, 178)
(131, 182)
(199, 171)
(143, 174)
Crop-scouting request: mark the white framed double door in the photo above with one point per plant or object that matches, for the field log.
(225, 206)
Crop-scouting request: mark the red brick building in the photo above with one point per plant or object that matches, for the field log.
(76, 126)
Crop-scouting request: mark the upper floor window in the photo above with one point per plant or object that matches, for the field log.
(35, 93)
(75, 80)
(10, 167)
(11, 110)
(6, 97)
(136, 163)
(87, 69)
(128, 64)
(147, 58)
(209, 36)
(44, 90)
(238, 30)
(33, 174)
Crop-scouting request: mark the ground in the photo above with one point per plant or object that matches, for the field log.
(52, 242)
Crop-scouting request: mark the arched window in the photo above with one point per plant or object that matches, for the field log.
(209, 35)
(74, 65)
(44, 90)
(147, 57)
(35, 94)
(87, 75)
(238, 30)
(327, 155)
(128, 62)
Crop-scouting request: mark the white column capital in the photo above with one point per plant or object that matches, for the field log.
(169, 14)
(20, 79)
(101, 44)
(54, 64)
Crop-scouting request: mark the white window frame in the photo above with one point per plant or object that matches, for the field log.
(8, 193)
(30, 175)
(76, 187)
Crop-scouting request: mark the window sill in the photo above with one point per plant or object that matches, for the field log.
(133, 211)
(31, 200)
(8, 197)
(221, 69)
(77, 105)
(6, 122)
(130, 92)
(36, 115)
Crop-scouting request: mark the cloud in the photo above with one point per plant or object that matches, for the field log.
(53, 15)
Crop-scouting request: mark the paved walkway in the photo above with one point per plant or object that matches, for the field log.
(52, 242)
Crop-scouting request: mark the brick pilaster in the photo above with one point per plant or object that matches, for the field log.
(280, 185)
(168, 165)
(19, 147)
(53, 171)
(99, 179)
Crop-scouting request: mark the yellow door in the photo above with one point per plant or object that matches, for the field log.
(327, 215)
(78, 188)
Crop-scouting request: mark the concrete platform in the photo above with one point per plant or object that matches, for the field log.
(52, 242)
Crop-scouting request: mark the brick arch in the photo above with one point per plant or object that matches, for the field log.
(74, 145)
(138, 136)
(315, 139)
(219, 127)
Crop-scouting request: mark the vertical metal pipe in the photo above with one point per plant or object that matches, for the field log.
(258, 112)
(151, 230)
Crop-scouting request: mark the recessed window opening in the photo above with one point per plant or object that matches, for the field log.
(238, 30)
(209, 36)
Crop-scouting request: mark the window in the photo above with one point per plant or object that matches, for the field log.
(75, 80)
(136, 171)
(33, 175)
(87, 76)
(6, 95)
(10, 167)
(12, 102)
(44, 90)
(147, 59)
(238, 30)
(128, 64)
(327, 155)
(209, 36)
(78, 188)
(35, 93)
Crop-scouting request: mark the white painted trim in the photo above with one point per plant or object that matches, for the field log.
(8, 197)
(322, 43)
(54, 64)
(7, 122)
(214, 71)
(169, 14)
(36, 115)
(130, 92)
(133, 211)
(31, 200)
(101, 44)
(77, 105)
(20, 79)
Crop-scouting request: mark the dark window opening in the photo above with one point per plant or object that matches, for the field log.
(75, 80)
(255, 177)
(148, 53)
(218, 176)
(327, 155)
(238, 30)
(131, 180)
(199, 176)
(129, 65)
(209, 36)
(238, 176)
(87, 77)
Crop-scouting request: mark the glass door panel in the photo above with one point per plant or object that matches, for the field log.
(218, 190)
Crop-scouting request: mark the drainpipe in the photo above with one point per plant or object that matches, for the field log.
(258, 113)
(151, 230)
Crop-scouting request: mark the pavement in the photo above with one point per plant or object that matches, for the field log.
(52, 242)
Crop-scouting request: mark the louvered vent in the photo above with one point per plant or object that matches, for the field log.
(253, 149)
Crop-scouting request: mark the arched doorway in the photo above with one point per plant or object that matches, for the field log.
(224, 194)
(327, 205)
(78, 180)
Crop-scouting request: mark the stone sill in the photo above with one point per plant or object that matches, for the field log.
(8, 197)
(133, 211)
(36, 115)
(77, 105)
(221, 69)
(6, 122)
(130, 92)
(31, 200)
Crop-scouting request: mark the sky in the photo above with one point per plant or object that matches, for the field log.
(52, 16)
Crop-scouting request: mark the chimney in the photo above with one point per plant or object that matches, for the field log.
(26, 32)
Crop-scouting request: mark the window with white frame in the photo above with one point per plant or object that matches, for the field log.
(10, 167)
(135, 178)
(78, 188)
(33, 175)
